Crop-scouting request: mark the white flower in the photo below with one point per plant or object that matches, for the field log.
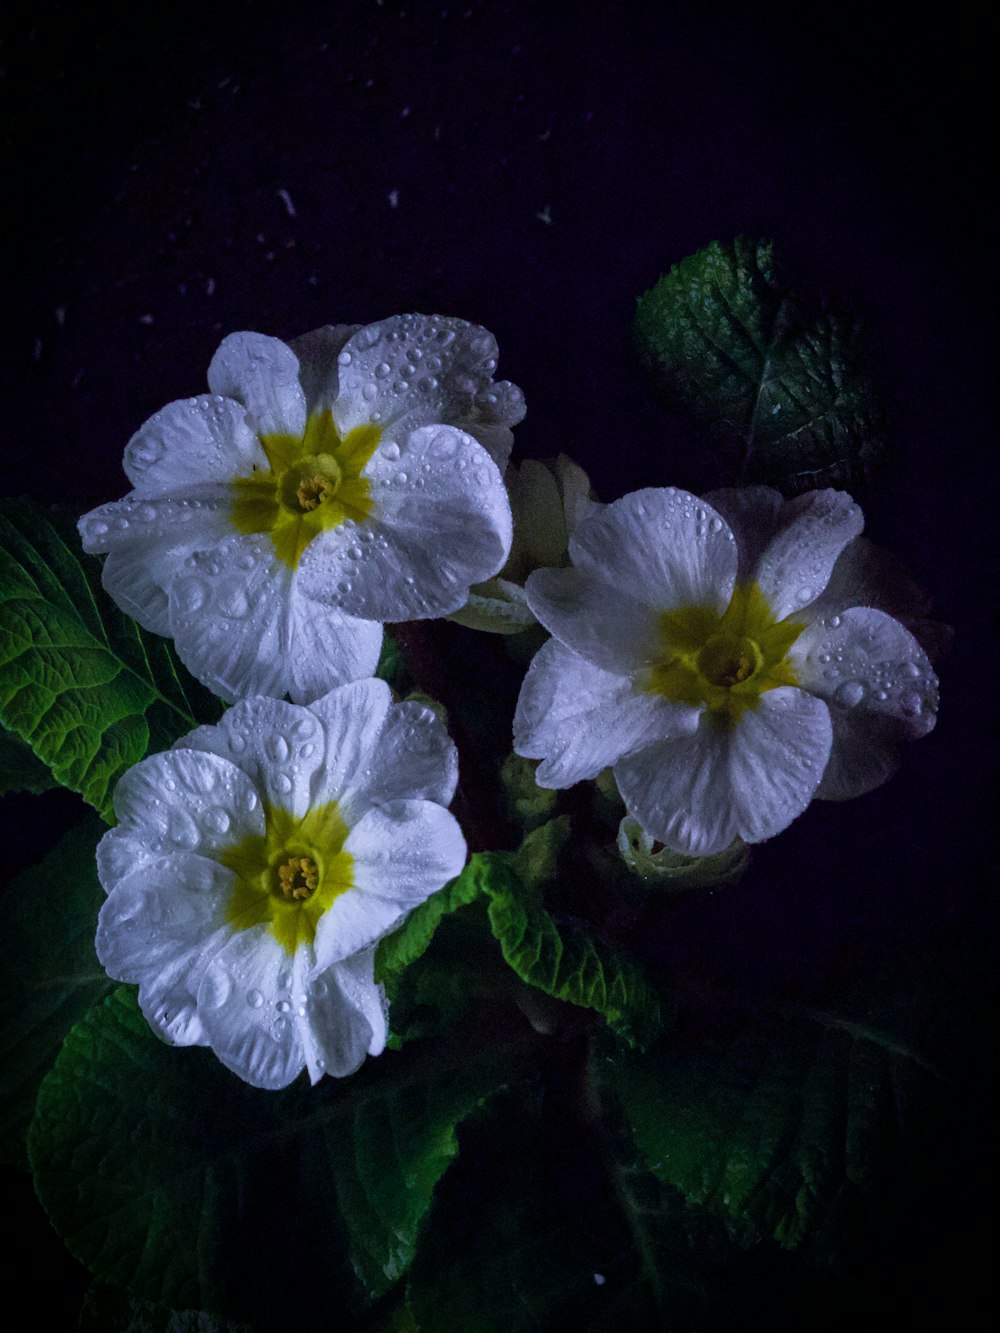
(322, 488)
(258, 862)
(548, 498)
(730, 657)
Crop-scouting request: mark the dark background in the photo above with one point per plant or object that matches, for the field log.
(178, 172)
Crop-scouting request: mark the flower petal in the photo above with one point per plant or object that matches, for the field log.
(754, 515)
(186, 800)
(414, 759)
(277, 745)
(597, 619)
(318, 369)
(353, 717)
(243, 627)
(347, 1014)
(441, 523)
(797, 562)
(160, 927)
(864, 663)
(414, 370)
(353, 922)
(128, 579)
(406, 850)
(245, 1002)
(698, 793)
(661, 545)
(263, 374)
(196, 440)
(579, 718)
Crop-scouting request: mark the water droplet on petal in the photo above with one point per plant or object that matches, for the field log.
(254, 999)
(390, 451)
(218, 986)
(849, 694)
(278, 749)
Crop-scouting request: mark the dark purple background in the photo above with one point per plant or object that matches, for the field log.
(177, 174)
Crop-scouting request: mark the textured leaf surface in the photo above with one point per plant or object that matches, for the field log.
(796, 1131)
(80, 682)
(167, 1175)
(780, 384)
(552, 952)
(112, 1310)
(49, 973)
(20, 767)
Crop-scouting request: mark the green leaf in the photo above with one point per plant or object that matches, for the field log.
(779, 383)
(167, 1175)
(80, 682)
(552, 952)
(20, 769)
(798, 1130)
(49, 973)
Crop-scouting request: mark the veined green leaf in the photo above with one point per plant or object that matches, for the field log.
(80, 682)
(112, 1310)
(552, 952)
(792, 1130)
(780, 385)
(167, 1175)
(49, 973)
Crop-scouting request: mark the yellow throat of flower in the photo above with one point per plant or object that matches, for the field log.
(287, 878)
(724, 662)
(314, 483)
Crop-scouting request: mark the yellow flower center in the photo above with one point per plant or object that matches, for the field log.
(314, 483)
(287, 878)
(724, 662)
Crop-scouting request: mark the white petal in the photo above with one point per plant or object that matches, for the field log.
(754, 515)
(697, 793)
(160, 927)
(595, 618)
(243, 627)
(122, 850)
(405, 851)
(778, 753)
(186, 800)
(665, 547)
(498, 441)
(318, 369)
(865, 575)
(246, 1002)
(191, 442)
(414, 759)
(159, 527)
(413, 370)
(352, 717)
(798, 560)
(861, 758)
(579, 718)
(679, 790)
(263, 374)
(865, 664)
(343, 1005)
(128, 578)
(354, 922)
(441, 523)
(279, 746)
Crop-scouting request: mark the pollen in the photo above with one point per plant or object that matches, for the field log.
(312, 491)
(298, 879)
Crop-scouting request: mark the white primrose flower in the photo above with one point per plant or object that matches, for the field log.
(258, 862)
(731, 658)
(548, 498)
(323, 487)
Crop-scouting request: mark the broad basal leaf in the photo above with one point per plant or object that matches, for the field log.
(780, 384)
(552, 952)
(80, 682)
(797, 1130)
(167, 1175)
(112, 1310)
(49, 973)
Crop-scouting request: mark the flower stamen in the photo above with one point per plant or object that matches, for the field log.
(298, 879)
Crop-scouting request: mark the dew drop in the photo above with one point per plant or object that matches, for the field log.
(369, 393)
(390, 451)
(217, 989)
(834, 622)
(283, 1006)
(278, 749)
(284, 783)
(382, 369)
(254, 999)
(849, 694)
(345, 358)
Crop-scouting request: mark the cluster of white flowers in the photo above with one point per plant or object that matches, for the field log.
(729, 658)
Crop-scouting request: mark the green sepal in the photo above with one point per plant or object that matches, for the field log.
(80, 682)
(168, 1176)
(779, 383)
(672, 870)
(49, 972)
